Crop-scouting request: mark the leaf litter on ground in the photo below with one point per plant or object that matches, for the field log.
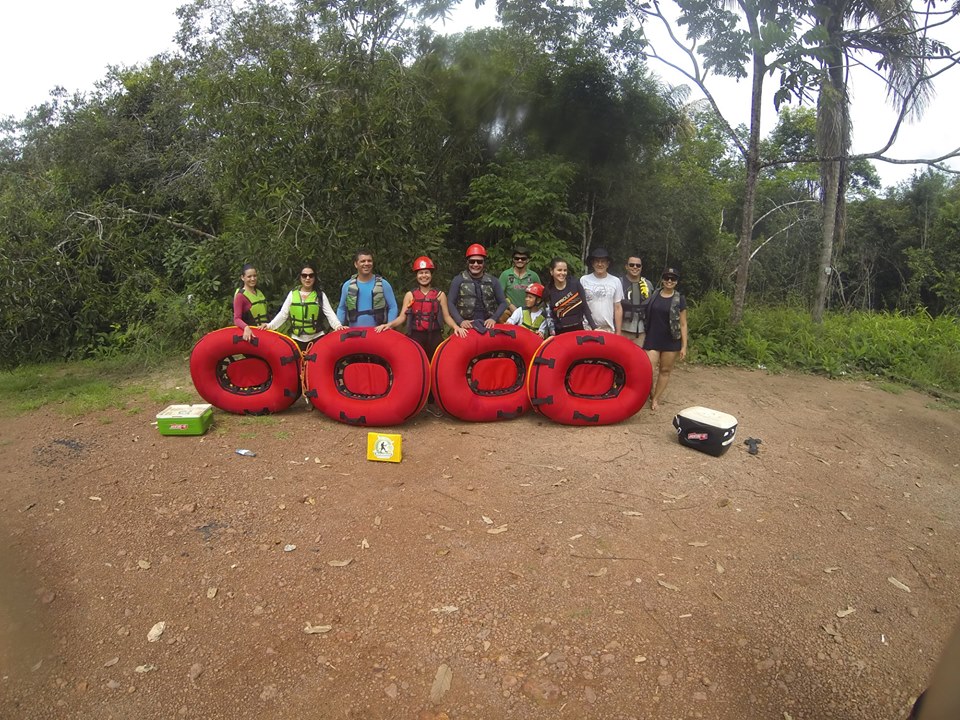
(317, 629)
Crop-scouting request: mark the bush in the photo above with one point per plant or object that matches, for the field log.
(914, 348)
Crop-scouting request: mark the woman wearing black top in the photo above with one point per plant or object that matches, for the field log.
(565, 299)
(666, 327)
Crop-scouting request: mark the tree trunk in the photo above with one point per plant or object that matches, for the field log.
(833, 141)
(831, 188)
(586, 237)
(746, 244)
(752, 162)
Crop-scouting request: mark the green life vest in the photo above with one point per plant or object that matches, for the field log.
(530, 322)
(379, 310)
(467, 297)
(306, 314)
(257, 314)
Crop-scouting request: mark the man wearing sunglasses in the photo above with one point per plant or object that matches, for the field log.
(516, 279)
(476, 297)
(636, 292)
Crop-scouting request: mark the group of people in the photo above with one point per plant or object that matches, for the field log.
(653, 317)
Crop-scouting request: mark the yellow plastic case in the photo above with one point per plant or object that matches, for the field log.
(384, 447)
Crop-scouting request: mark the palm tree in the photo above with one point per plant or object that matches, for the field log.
(884, 28)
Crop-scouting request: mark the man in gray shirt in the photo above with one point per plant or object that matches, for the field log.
(636, 291)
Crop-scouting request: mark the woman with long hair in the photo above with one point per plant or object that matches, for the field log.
(306, 308)
(566, 300)
(249, 304)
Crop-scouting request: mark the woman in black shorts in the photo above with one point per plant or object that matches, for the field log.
(666, 328)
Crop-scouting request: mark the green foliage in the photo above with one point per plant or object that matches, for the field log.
(93, 385)
(915, 348)
(524, 202)
(293, 132)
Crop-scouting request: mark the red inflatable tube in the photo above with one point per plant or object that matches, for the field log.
(589, 378)
(481, 377)
(258, 377)
(361, 377)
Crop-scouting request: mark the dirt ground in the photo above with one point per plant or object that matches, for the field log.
(508, 570)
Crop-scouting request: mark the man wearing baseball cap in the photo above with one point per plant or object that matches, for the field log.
(516, 279)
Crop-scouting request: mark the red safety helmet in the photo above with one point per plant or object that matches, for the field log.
(422, 263)
(535, 289)
(476, 249)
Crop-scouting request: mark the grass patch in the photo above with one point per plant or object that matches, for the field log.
(916, 349)
(944, 404)
(891, 388)
(259, 420)
(87, 386)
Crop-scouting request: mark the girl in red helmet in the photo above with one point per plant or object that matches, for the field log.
(422, 308)
(532, 315)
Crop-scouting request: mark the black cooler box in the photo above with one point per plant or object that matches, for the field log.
(709, 431)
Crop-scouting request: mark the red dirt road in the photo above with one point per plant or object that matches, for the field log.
(507, 570)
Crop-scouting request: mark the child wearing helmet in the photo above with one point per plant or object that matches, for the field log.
(532, 315)
(421, 310)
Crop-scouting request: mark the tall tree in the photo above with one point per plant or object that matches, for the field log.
(889, 30)
(744, 39)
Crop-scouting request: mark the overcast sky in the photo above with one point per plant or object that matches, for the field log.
(71, 43)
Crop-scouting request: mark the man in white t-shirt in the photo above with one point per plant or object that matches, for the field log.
(604, 293)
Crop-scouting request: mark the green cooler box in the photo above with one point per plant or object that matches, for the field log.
(185, 419)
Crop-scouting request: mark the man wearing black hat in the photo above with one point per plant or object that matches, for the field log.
(604, 292)
(515, 280)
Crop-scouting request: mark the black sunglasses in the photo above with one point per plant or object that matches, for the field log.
(308, 275)
(670, 278)
(520, 259)
(634, 264)
(474, 262)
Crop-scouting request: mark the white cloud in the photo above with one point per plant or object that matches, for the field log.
(71, 43)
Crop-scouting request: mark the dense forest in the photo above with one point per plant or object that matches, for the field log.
(286, 132)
